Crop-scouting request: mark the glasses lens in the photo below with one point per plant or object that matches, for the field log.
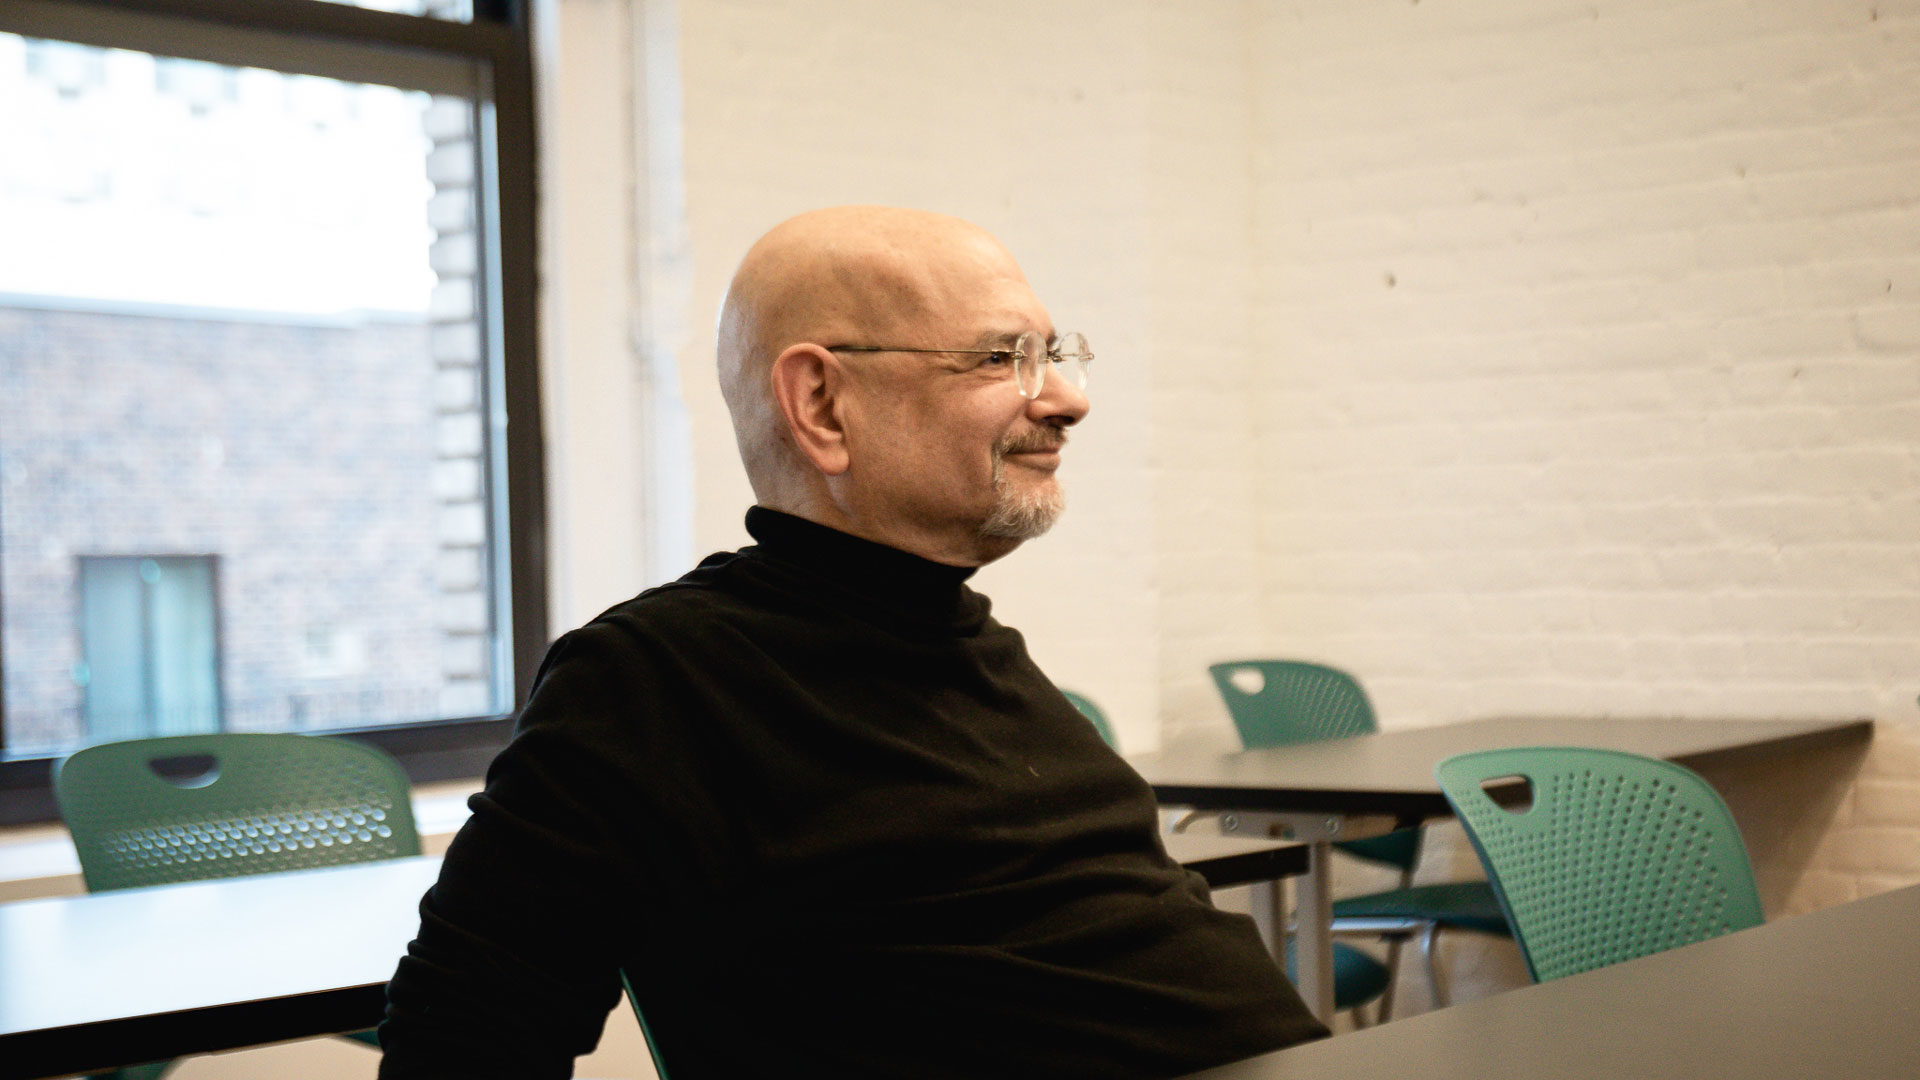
(1030, 363)
(1074, 358)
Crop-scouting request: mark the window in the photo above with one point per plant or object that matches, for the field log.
(269, 446)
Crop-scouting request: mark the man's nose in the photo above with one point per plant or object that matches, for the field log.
(1059, 402)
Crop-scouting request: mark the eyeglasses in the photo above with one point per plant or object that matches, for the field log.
(1029, 358)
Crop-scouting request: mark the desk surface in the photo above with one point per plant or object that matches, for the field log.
(1391, 772)
(1830, 994)
(153, 973)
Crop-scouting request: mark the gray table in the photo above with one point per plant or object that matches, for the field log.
(148, 974)
(1226, 861)
(1349, 787)
(1832, 994)
(89, 982)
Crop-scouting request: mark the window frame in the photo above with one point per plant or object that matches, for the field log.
(339, 41)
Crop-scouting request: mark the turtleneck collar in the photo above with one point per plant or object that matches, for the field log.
(888, 578)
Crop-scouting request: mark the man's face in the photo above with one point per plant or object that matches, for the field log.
(943, 444)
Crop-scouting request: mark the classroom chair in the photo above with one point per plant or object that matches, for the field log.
(1599, 856)
(194, 807)
(1281, 702)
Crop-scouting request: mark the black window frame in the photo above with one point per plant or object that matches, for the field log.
(339, 41)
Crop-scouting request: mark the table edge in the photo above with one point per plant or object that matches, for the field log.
(93, 1047)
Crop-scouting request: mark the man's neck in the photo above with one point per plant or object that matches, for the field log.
(940, 546)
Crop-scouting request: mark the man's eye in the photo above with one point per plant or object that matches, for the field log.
(1000, 357)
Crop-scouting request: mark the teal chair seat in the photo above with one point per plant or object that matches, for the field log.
(1358, 979)
(1462, 905)
(1284, 702)
(1599, 856)
(196, 807)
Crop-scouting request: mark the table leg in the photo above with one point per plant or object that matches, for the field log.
(1267, 904)
(1313, 948)
(1313, 917)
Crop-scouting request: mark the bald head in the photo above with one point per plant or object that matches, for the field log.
(846, 275)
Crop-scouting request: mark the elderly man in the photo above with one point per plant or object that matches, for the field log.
(818, 808)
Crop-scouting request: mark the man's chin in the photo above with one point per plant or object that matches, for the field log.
(1024, 518)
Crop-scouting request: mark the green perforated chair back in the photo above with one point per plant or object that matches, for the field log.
(1283, 702)
(1617, 855)
(235, 804)
(1291, 701)
(1094, 715)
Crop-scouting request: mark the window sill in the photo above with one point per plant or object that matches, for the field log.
(38, 860)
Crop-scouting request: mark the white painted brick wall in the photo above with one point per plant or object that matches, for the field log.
(1595, 377)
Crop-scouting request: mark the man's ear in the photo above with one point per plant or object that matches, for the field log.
(808, 382)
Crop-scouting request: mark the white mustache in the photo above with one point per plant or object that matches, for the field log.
(1039, 441)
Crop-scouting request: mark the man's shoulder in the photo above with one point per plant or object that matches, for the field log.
(713, 594)
(674, 627)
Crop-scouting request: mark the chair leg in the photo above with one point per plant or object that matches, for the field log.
(1385, 1008)
(1393, 956)
(1434, 986)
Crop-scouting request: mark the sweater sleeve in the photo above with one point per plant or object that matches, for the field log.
(546, 887)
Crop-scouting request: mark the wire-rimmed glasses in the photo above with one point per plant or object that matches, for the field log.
(1030, 357)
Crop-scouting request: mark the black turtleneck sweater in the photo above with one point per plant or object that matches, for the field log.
(829, 819)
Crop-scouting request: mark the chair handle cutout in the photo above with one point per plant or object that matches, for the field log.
(1512, 793)
(186, 770)
(1248, 680)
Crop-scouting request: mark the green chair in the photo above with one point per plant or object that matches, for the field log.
(1600, 856)
(194, 807)
(646, 1030)
(1094, 714)
(1291, 701)
(1358, 979)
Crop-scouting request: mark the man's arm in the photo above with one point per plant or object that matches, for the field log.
(516, 963)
